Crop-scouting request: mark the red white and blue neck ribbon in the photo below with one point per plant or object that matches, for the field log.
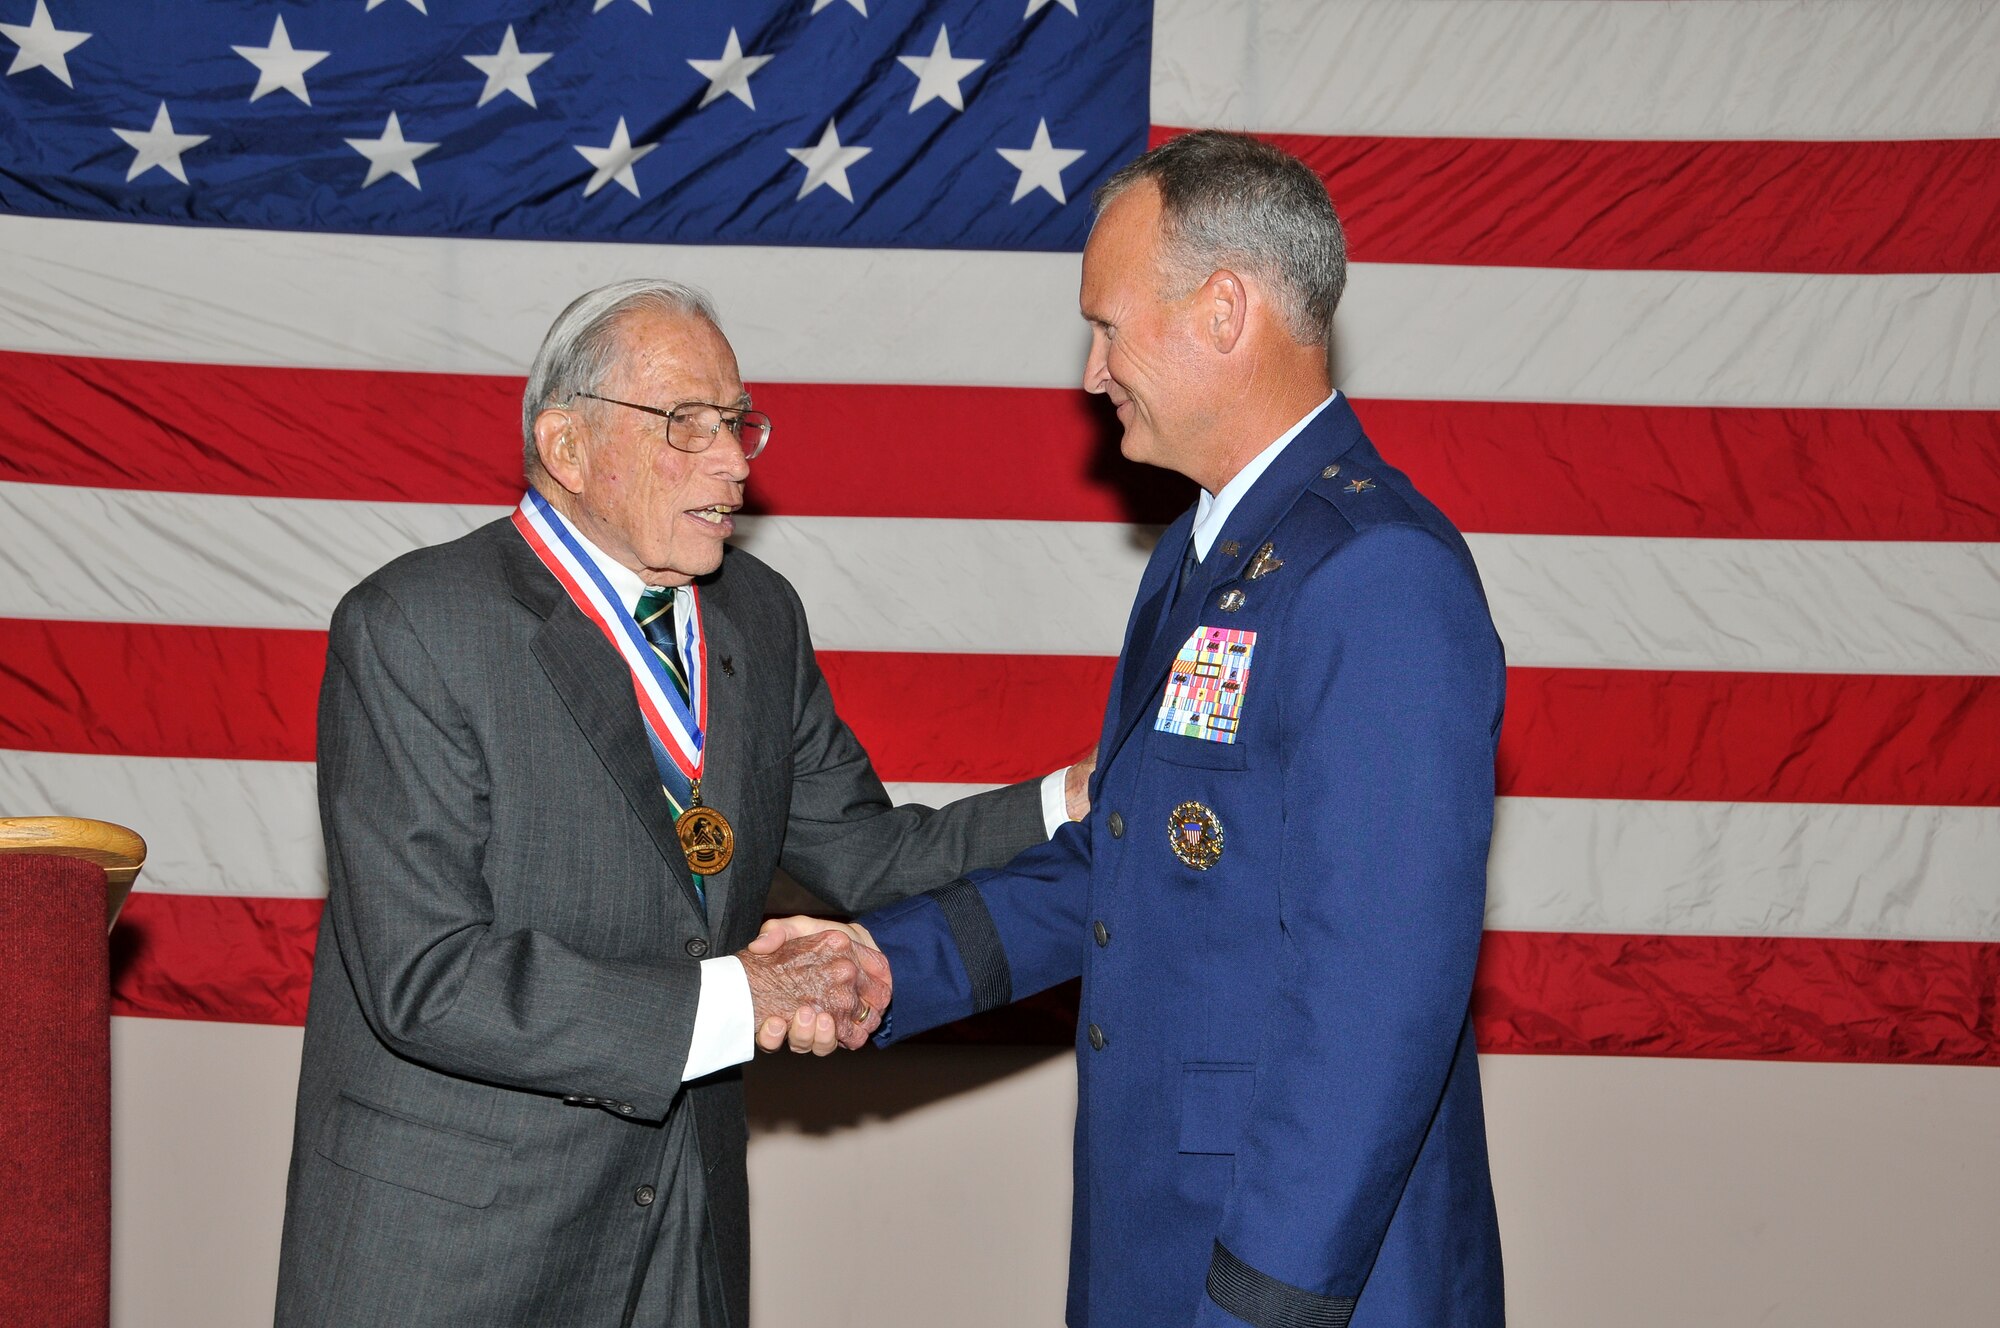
(679, 726)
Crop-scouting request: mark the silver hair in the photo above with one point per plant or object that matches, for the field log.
(1228, 200)
(581, 346)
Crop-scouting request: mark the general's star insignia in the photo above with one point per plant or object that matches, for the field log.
(1360, 486)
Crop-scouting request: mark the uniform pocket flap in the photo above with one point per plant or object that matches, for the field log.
(1215, 1101)
(1202, 753)
(429, 1159)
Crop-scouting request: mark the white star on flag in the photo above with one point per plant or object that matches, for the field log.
(507, 69)
(391, 153)
(730, 72)
(939, 73)
(1041, 165)
(826, 163)
(43, 45)
(646, 5)
(1036, 6)
(281, 65)
(159, 146)
(417, 5)
(614, 161)
(860, 6)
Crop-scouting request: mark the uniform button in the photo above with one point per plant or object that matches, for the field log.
(1096, 1038)
(1101, 932)
(1117, 824)
(643, 1196)
(696, 947)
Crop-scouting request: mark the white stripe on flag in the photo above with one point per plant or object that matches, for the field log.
(1580, 69)
(1745, 869)
(870, 316)
(1585, 865)
(1045, 587)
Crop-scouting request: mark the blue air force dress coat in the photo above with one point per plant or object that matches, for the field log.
(1279, 1117)
(492, 1127)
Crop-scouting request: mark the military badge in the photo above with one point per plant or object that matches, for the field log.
(1263, 564)
(1206, 686)
(1195, 835)
(1360, 486)
(1230, 600)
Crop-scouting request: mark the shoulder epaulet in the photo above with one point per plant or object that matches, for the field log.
(1362, 498)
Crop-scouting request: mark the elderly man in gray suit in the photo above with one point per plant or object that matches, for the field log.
(559, 761)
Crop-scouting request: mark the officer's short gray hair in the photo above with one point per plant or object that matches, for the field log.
(581, 347)
(1228, 200)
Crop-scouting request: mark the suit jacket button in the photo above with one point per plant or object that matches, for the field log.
(1096, 1038)
(696, 948)
(625, 1108)
(643, 1196)
(1101, 932)
(1117, 824)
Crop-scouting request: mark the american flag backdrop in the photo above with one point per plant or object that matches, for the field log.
(1688, 314)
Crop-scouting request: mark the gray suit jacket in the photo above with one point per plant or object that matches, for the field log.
(491, 1122)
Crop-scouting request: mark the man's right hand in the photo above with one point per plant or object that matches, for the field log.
(816, 990)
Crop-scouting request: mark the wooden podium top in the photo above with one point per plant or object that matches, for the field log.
(119, 851)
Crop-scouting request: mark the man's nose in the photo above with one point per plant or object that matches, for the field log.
(724, 455)
(1096, 365)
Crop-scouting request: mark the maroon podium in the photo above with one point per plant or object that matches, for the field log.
(62, 881)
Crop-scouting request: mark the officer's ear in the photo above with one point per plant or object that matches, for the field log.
(1224, 302)
(558, 442)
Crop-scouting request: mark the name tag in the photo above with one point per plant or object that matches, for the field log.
(1205, 691)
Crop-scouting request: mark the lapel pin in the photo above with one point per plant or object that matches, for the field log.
(1230, 548)
(1263, 564)
(729, 666)
(1231, 601)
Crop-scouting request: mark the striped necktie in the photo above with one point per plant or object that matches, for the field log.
(655, 615)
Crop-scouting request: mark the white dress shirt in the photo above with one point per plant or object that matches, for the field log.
(1211, 512)
(725, 1020)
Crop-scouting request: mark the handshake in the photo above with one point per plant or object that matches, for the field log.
(815, 984)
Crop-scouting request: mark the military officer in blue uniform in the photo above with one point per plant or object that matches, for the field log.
(1275, 903)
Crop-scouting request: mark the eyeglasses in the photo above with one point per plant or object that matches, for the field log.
(693, 425)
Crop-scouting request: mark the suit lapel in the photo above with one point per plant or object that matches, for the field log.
(724, 780)
(596, 686)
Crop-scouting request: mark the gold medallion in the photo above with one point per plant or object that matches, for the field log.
(706, 838)
(1195, 835)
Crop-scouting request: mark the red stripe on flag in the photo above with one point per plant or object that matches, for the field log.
(238, 960)
(120, 689)
(1755, 997)
(1014, 453)
(1907, 205)
(132, 689)
(1922, 1002)
(1697, 472)
(1751, 737)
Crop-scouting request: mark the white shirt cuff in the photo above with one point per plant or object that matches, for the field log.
(725, 1023)
(1055, 806)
